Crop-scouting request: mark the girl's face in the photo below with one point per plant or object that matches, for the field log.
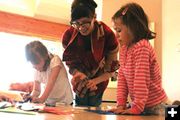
(40, 65)
(123, 34)
(84, 25)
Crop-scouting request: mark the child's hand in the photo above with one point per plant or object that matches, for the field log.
(127, 111)
(37, 100)
(118, 110)
(27, 97)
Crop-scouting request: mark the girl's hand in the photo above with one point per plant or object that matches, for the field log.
(127, 111)
(26, 97)
(118, 110)
(37, 100)
(91, 85)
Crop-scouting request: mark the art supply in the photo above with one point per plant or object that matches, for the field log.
(17, 111)
(5, 104)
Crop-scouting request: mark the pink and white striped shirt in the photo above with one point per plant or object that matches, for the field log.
(139, 76)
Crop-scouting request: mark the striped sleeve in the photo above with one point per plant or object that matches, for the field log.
(122, 89)
(141, 78)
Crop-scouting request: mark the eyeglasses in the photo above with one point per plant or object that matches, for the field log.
(77, 25)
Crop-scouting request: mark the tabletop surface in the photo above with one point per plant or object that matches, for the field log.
(73, 113)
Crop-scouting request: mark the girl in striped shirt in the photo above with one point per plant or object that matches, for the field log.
(139, 73)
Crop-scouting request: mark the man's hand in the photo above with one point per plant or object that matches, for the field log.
(77, 77)
(91, 85)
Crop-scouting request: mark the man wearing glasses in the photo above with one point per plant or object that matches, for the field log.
(90, 53)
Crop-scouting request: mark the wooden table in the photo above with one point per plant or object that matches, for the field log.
(78, 113)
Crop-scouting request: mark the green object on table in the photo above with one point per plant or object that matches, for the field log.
(16, 111)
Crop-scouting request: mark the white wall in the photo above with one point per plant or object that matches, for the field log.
(99, 9)
(171, 48)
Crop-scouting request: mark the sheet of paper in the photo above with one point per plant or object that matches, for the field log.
(17, 111)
